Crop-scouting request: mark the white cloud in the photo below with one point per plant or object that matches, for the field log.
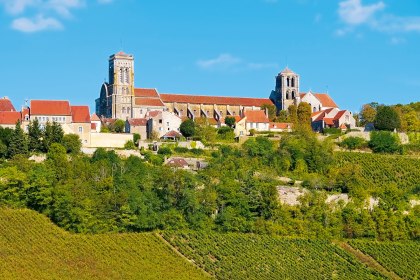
(229, 62)
(50, 8)
(222, 61)
(39, 23)
(15, 7)
(353, 12)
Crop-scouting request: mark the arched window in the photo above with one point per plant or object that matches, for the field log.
(314, 109)
(293, 94)
(288, 81)
(128, 110)
(121, 75)
(127, 77)
(287, 95)
(293, 82)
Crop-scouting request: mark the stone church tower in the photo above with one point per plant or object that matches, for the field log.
(117, 97)
(286, 91)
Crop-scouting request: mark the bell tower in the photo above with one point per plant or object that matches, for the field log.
(286, 91)
(121, 85)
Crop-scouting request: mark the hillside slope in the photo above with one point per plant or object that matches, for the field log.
(31, 247)
(250, 256)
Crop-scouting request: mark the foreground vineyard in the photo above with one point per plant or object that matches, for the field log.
(33, 248)
(245, 256)
(402, 258)
(381, 170)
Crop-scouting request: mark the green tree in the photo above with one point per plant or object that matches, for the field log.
(384, 142)
(18, 142)
(187, 128)
(129, 145)
(230, 121)
(304, 115)
(35, 136)
(367, 114)
(272, 111)
(53, 133)
(72, 143)
(293, 117)
(352, 143)
(5, 135)
(387, 119)
(283, 116)
(118, 126)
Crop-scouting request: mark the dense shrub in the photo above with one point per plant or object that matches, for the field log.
(164, 150)
(384, 142)
(352, 143)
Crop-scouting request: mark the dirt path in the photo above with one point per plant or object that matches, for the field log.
(368, 260)
(181, 255)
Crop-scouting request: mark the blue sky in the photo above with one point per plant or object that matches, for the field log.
(357, 50)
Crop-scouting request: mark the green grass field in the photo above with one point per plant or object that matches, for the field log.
(248, 256)
(31, 247)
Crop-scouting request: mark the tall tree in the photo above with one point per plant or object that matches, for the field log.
(35, 136)
(283, 116)
(367, 114)
(18, 142)
(292, 110)
(187, 128)
(53, 134)
(304, 115)
(387, 118)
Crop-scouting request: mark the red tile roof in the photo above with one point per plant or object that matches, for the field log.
(155, 102)
(6, 105)
(94, 117)
(339, 114)
(153, 114)
(257, 116)
(80, 114)
(9, 117)
(137, 122)
(50, 108)
(146, 92)
(172, 134)
(177, 162)
(219, 100)
(329, 121)
(325, 100)
(280, 125)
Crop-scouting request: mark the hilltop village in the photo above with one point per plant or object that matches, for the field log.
(152, 114)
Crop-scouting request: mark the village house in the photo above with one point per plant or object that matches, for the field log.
(162, 122)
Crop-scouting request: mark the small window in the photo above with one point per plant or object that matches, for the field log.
(160, 129)
(160, 121)
(167, 123)
(80, 129)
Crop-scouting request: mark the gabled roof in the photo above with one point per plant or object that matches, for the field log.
(50, 107)
(94, 118)
(172, 134)
(153, 114)
(154, 102)
(277, 125)
(287, 71)
(138, 122)
(80, 114)
(325, 100)
(146, 92)
(9, 117)
(339, 114)
(257, 116)
(218, 100)
(177, 162)
(329, 121)
(6, 105)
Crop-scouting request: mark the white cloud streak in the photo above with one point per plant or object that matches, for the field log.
(353, 13)
(52, 9)
(229, 62)
(36, 24)
(222, 61)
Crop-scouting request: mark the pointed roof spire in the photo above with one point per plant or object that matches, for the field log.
(287, 71)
